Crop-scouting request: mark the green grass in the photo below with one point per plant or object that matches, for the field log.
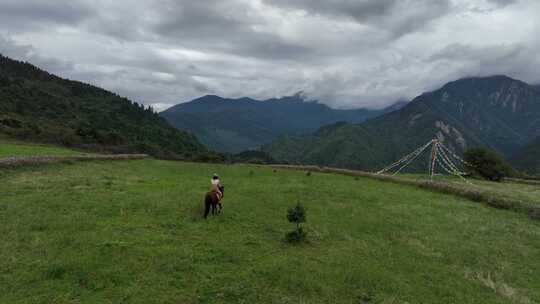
(14, 148)
(131, 232)
(520, 191)
(512, 190)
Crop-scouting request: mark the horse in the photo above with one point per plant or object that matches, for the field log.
(211, 200)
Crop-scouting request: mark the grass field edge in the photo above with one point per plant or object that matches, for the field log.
(484, 197)
(23, 161)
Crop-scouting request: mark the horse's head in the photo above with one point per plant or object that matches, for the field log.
(222, 189)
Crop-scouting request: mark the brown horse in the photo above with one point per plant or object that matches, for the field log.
(211, 199)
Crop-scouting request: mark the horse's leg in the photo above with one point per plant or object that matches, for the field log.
(220, 207)
(214, 208)
(207, 204)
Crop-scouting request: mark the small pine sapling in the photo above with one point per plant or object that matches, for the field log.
(296, 215)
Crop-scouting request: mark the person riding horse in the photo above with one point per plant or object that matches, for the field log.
(214, 197)
(216, 184)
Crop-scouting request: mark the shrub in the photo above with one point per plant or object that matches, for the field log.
(253, 157)
(296, 236)
(210, 157)
(55, 271)
(534, 213)
(487, 164)
(296, 215)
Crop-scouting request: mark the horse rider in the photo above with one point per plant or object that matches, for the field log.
(215, 186)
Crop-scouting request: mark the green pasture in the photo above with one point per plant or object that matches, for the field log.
(528, 193)
(9, 148)
(131, 232)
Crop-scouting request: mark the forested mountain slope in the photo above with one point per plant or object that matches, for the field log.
(528, 158)
(232, 125)
(38, 106)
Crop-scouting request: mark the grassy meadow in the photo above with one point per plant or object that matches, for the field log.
(529, 193)
(523, 192)
(9, 148)
(131, 232)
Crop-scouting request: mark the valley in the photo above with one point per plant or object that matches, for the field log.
(235, 125)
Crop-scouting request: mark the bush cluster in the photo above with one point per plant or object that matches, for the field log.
(487, 164)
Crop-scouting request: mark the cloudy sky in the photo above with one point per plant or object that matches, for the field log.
(345, 53)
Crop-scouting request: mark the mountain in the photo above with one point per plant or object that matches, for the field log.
(233, 125)
(38, 106)
(394, 107)
(496, 112)
(528, 158)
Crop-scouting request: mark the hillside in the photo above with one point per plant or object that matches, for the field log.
(131, 232)
(528, 158)
(38, 106)
(497, 112)
(233, 125)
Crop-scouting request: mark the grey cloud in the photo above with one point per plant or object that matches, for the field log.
(9, 48)
(226, 26)
(27, 53)
(503, 2)
(344, 53)
(397, 17)
(361, 10)
(516, 60)
(23, 15)
(462, 52)
(231, 27)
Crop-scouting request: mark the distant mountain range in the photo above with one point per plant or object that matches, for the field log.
(38, 106)
(497, 112)
(500, 113)
(234, 125)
